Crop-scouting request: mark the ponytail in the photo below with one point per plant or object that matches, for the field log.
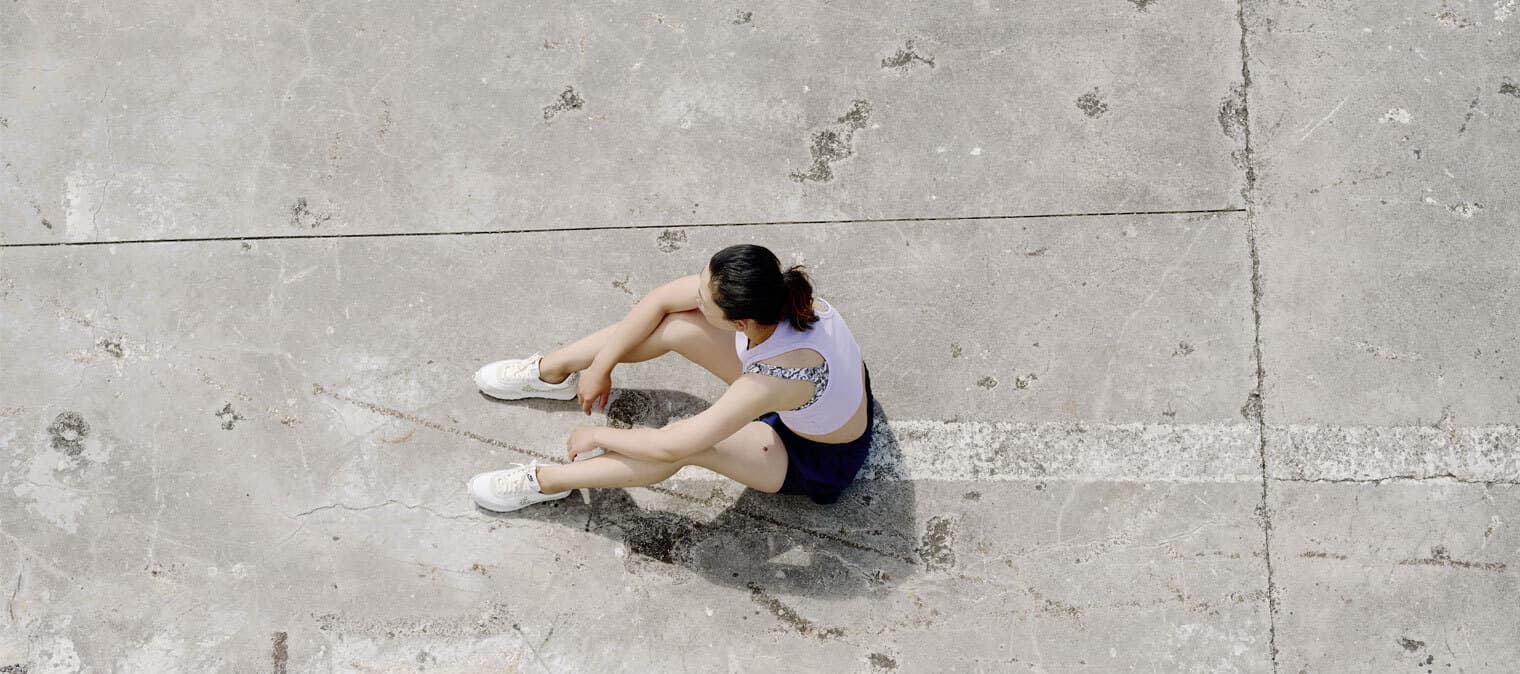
(799, 304)
(748, 283)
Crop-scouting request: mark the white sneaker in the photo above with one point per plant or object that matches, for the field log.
(511, 489)
(519, 378)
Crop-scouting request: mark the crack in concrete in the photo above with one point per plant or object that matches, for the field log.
(10, 605)
(1398, 479)
(611, 228)
(382, 504)
(1248, 195)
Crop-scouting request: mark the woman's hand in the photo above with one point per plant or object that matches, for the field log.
(595, 383)
(582, 440)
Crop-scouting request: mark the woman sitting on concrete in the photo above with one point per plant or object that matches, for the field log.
(788, 358)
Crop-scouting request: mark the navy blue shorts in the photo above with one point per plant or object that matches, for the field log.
(821, 470)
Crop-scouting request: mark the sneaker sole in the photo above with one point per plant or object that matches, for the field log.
(569, 393)
(526, 394)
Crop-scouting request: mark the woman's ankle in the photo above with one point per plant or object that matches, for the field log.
(539, 475)
(551, 373)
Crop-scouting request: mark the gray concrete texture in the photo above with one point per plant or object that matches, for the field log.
(1192, 326)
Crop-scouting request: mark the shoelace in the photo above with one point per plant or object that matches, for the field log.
(513, 480)
(523, 368)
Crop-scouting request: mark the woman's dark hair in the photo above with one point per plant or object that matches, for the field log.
(748, 284)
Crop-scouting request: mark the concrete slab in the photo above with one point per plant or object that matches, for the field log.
(1389, 221)
(234, 441)
(1406, 576)
(1101, 575)
(169, 119)
(406, 321)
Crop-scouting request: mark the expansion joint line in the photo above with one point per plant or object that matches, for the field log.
(1256, 403)
(607, 228)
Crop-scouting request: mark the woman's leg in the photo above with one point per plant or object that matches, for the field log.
(754, 457)
(686, 333)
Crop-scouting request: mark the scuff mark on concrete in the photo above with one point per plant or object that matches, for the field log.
(789, 617)
(1315, 554)
(111, 346)
(568, 100)
(670, 240)
(1449, 18)
(1439, 556)
(229, 417)
(904, 59)
(938, 546)
(1381, 352)
(742, 17)
(1472, 109)
(1092, 104)
(303, 217)
(1142, 5)
(281, 654)
(67, 433)
(1232, 112)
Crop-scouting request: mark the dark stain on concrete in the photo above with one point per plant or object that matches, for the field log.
(1472, 109)
(47, 223)
(937, 548)
(1252, 409)
(1183, 349)
(1232, 113)
(385, 119)
(1509, 89)
(988, 382)
(1315, 554)
(568, 100)
(834, 144)
(622, 285)
(971, 496)
(1439, 556)
(856, 117)
(67, 433)
(955, 350)
(1025, 381)
(1449, 18)
(789, 617)
(742, 17)
(905, 57)
(111, 346)
(662, 538)
(882, 663)
(1142, 5)
(1092, 104)
(17, 668)
(281, 654)
(229, 417)
(1036, 252)
(302, 216)
(1411, 645)
(671, 240)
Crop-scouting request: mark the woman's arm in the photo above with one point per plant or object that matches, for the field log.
(747, 398)
(677, 295)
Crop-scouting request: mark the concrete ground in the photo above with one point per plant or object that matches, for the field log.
(1193, 326)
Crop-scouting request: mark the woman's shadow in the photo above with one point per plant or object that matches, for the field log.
(866, 542)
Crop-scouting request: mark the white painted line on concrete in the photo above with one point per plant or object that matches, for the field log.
(1473, 454)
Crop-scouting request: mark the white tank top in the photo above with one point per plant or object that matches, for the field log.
(832, 339)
